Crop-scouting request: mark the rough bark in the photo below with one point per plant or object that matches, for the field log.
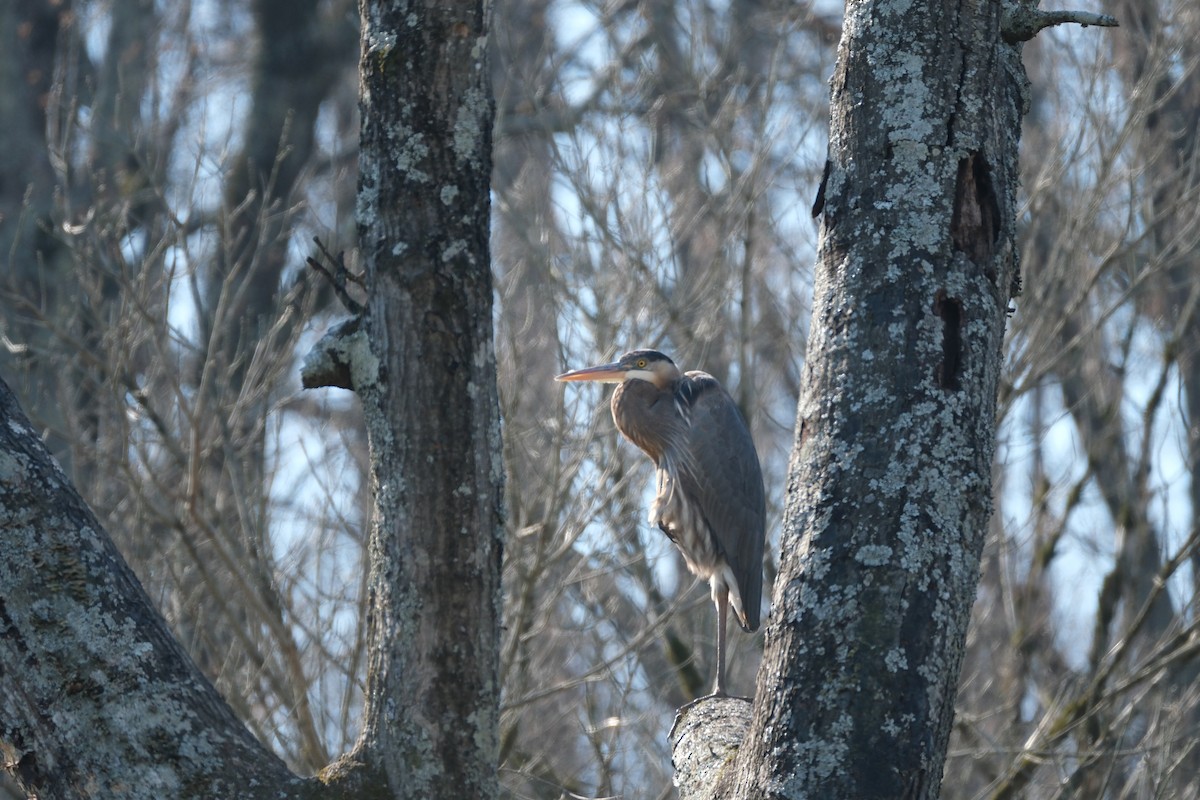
(99, 698)
(428, 388)
(704, 739)
(889, 491)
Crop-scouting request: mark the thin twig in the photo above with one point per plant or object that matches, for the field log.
(337, 279)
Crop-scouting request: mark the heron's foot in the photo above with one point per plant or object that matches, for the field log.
(715, 694)
(749, 699)
(701, 699)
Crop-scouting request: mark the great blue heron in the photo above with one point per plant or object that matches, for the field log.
(710, 498)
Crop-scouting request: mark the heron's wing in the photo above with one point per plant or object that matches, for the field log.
(720, 471)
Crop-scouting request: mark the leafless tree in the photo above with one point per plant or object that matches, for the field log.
(166, 167)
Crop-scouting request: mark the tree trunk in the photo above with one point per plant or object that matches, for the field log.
(890, 486)
(35, 42)
(428, 387)
(99, 698)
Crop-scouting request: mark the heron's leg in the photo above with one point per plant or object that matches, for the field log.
(721, 596)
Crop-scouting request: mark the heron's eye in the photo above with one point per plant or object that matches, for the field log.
(641, 362)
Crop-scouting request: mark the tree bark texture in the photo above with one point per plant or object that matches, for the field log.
(99, 698)
(889, 491)
(428, 387)
(704, 740)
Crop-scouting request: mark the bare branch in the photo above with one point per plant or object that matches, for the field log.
(1022, 22)
(338, 277)
(331, 361)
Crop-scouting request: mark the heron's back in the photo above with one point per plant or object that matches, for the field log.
(710, 497)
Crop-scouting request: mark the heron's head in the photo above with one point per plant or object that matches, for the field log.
(643, 365)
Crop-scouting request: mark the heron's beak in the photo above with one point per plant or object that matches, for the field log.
(605, 373)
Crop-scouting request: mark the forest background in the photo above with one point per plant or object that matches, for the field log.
(166, 167)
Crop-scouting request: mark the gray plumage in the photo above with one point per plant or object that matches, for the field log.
(709, 497)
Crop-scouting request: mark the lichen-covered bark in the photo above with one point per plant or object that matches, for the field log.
(99, 700)
(704, 739)
(432, 699)
(889, 491)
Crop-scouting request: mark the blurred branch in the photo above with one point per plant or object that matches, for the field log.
(338, 277)
(1088, 701)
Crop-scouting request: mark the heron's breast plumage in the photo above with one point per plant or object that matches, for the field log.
(683, 522)
(659, 422)
(709, 497)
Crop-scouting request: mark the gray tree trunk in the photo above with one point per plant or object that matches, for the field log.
(99, 699)
(890, 487)
(428, 387)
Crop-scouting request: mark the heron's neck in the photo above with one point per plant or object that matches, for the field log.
(646, 415)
